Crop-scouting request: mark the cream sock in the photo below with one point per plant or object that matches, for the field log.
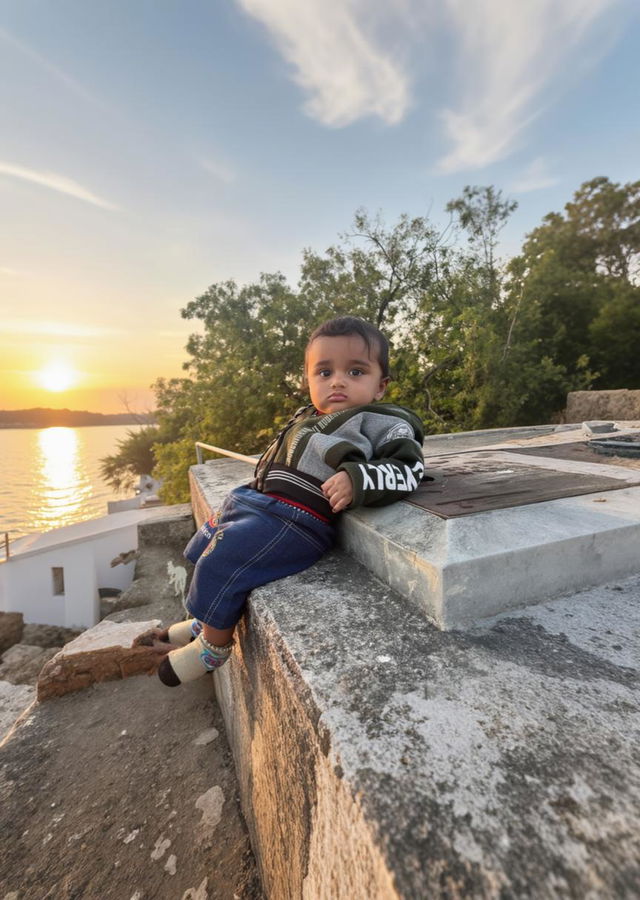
(198, 658)
(181, 633)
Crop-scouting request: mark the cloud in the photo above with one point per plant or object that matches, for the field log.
(51, 69)
(55, 329)
(335, 57)
(508, 55)
(219, 170)
(497, 61)
(535, 177)
(55, 182)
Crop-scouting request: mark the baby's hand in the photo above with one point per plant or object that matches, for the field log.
(339, 491)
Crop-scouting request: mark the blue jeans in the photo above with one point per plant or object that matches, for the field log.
(254, 539)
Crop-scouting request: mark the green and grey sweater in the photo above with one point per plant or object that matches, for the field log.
(379, 446)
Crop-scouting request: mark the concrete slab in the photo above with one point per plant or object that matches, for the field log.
(462, 570)
(381, 757)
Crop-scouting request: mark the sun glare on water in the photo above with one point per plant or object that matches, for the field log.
(57, 376)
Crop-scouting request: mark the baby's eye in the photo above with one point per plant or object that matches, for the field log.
(324, 373)
(356, 371)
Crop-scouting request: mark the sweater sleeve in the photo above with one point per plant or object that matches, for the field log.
(393, 472)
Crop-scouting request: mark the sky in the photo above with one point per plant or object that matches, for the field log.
(150, 148)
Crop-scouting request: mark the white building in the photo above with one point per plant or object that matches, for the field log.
(53, 578)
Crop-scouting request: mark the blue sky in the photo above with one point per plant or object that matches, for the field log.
(150, 148)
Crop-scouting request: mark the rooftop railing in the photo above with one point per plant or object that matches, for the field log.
(4, 544)
(200, 446)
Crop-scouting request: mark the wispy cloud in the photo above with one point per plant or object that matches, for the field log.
(336, 58)
(54, 329)
(218, 169)
(56, 182)
(508, 56)
(503, 61)
(51, 69)
(535, 177)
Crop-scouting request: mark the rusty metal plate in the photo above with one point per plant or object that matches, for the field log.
(465, 485)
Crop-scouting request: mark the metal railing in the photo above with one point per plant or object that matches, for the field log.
(200, 446)
(5, 542)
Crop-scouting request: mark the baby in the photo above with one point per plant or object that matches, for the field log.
(344, 450)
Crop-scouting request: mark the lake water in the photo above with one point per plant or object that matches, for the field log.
(50, 477)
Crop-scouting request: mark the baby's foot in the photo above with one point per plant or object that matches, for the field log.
(181, 633)
(192, 661)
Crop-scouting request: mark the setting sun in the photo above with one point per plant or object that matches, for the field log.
(57, 376)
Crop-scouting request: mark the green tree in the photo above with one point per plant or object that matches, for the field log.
(135, 456)
(615, 338)
(571, 291)
(244, 367)
(474, 343)
(244, 375)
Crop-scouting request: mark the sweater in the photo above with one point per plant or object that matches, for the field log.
(379, 446)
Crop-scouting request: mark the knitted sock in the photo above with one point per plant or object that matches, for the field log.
(192, 661)
(180, 633)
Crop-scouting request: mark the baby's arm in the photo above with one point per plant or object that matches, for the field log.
(394, 473)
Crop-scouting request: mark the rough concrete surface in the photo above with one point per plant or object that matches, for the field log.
(111, 793)
(48, 635)
(126, 789)
(22, 663)
(14, 699)
(500, 761)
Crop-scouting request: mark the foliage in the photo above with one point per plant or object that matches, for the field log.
(475, 344)
(573, 288)
(134, 457)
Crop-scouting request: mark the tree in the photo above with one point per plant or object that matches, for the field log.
(135, 456)
(615, 339)
(572, 291)
(474, 343)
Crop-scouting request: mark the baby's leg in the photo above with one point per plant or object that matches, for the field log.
(219, 637)
(198, 657)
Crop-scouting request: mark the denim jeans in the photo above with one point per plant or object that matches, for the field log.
(254, 539)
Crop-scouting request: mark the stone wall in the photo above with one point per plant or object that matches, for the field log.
(583, 406)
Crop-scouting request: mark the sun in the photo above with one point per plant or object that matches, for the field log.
(57, 376)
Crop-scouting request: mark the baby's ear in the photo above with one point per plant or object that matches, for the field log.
(383, 386)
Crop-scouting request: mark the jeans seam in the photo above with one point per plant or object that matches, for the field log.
(237, 572)
(306, 537)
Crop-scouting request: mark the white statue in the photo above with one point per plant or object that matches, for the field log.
(178, 579)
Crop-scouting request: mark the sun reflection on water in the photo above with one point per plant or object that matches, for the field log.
(63, 486)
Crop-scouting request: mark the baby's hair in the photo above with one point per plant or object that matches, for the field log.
(344, 326)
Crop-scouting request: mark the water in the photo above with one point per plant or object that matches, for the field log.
(50, 477)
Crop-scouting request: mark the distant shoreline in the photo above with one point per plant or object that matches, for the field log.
(41, 417)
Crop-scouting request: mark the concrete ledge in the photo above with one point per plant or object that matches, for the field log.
(381, 757)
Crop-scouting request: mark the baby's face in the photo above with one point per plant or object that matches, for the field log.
(342, 374)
